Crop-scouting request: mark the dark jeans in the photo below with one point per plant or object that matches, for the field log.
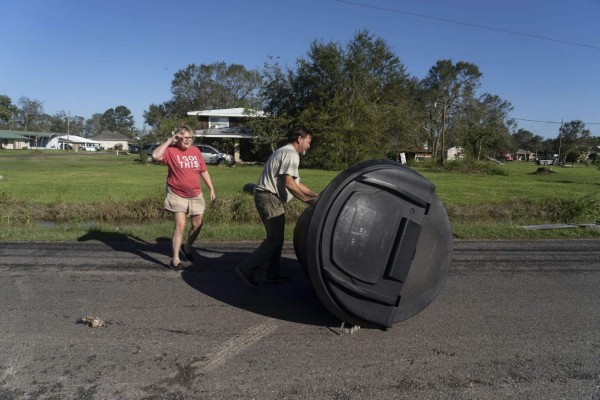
(266, 259)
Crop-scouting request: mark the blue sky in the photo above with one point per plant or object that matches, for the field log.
(86, 56)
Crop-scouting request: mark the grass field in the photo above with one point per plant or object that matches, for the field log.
(53, 195)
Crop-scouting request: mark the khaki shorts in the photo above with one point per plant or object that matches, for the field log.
(191, 206)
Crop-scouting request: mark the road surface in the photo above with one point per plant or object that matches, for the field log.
(515, 320)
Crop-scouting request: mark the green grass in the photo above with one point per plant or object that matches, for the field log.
(45, 177)
(52, 195)
(520, 183)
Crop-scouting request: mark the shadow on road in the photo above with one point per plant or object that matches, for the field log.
(295, 301)
(213, 274)
(130, 244)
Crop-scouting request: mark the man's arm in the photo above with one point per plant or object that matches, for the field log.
(306, 190)
(299, 191)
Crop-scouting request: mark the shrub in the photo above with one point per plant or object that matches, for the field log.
(467, 167)
(584, 209)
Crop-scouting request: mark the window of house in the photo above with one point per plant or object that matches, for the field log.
(218, 122)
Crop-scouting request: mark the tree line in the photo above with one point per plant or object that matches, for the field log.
(28, 115)
(358, 99)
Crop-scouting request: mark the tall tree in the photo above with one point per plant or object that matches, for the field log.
(444, 89)
(118, 119)
(63, 122)
(574, 141)
(158, 112)
(352, 96)
(527, 140)
(93, 126)
(212, 86)
(269, 130)
(482, 126)
(30, 114)
(8, 112)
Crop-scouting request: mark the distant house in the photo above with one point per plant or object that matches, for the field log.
(109, 140)
(423, 155)
(46, 140)
(73, 142)
(13, 140)
(415, 154)
(455, 153)
(227, 124)
(39, 140)
(223, 118)
(524, 155)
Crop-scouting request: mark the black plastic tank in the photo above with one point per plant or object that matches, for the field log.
(377, 246)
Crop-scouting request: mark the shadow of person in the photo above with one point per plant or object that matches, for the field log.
(295, 301)
(122, 242)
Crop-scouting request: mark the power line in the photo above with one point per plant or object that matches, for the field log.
(469, 24)
(552, 122)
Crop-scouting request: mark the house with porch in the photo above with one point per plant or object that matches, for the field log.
(13, 140)
(227, 124)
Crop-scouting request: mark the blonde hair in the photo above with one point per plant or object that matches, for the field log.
(182, 128)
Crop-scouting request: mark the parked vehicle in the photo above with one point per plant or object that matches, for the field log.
(214, 156)
(210, 154)
(148, 149)
(89, 146)
(133, 149)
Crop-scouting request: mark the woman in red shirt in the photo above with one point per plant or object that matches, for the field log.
(184, 192)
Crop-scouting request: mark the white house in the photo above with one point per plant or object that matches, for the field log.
(455, 153)
(225, 124)
(110, 140)
(76, 143)
(224, 118)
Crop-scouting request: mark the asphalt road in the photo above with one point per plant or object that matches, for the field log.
(515, 320)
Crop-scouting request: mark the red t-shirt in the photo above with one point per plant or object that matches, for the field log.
(185, 167)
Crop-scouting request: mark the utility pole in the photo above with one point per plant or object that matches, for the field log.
(560, 139)
(443, 130)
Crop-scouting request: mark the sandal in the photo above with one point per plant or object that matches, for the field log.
(174, 267)
(188, 256)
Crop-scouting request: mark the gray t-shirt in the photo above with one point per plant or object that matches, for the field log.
(284, 161)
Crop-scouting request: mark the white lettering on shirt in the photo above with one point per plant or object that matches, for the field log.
(188, 162)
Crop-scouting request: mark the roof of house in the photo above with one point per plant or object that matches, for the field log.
(226, 112)
(76, 139)
(12, 135)
(108, 135)
(29, 134)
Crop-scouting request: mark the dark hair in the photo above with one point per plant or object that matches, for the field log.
(298, 131)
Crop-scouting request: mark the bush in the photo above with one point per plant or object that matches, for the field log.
(585, 209)
(240, 209)
(468, 167)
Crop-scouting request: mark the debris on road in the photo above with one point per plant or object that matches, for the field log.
(92, 322)
(560, 226)
(350, 329)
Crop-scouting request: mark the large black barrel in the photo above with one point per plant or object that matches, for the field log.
(377, 246)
